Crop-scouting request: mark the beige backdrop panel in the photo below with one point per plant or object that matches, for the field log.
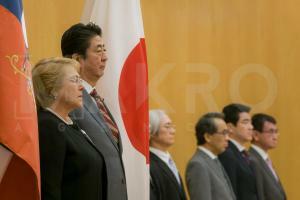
(203, 54)
(46, 20)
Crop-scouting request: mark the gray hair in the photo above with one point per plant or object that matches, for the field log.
(155, 117)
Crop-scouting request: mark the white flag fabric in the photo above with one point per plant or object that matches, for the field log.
(124, 84)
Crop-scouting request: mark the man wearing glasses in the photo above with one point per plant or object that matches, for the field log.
(265, 136)
(235, 159)
(205, 177)
(165, 182)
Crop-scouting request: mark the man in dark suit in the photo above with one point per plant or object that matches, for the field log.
(264, 139)
(84, 43)
(235, 159)
(205, 177)
(165, 180)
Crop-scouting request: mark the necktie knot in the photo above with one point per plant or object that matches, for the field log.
(246, 156)
(171, 162)
(95, 94)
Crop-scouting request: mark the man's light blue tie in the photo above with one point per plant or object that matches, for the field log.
(174, 169)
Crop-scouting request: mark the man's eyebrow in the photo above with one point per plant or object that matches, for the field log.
(246, 119)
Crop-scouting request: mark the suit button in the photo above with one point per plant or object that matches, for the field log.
(123, 181)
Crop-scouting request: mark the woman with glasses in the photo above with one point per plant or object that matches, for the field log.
(71, 166)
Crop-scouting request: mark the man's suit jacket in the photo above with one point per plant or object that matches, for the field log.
(163, 184)
(240, 173)
(92, 122)
(205, 179)
(267, 185)
(71, 166)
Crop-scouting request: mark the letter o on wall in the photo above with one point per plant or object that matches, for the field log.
(261, 70)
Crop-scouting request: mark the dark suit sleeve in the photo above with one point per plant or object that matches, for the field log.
(52, 154)
(229, 163)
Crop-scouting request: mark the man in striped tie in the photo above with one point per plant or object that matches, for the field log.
(84, 43)
(265, 138)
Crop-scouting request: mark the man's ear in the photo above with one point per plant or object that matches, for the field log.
(77, 57)
(207, 137)
(153, 138)
(255, 135)
(230, 127)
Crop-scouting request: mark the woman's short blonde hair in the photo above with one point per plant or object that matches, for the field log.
(47, 76)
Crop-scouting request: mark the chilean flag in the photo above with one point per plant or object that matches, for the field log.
(125, 84)
(19, 152)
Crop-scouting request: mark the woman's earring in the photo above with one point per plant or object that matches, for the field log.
(53, 95)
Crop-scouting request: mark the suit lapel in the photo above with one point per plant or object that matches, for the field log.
(78, 132)
(210, 162)
(92, 108)
(166, 170)
(212, 165)
(281, 187)
(239, 155)
(266, 168)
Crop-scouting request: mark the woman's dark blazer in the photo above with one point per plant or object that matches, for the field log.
(71, 167)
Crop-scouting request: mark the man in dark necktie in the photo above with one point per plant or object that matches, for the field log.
(235, 159)
(205, 176)
(265, 138)
(166, 183)
(84, 43)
